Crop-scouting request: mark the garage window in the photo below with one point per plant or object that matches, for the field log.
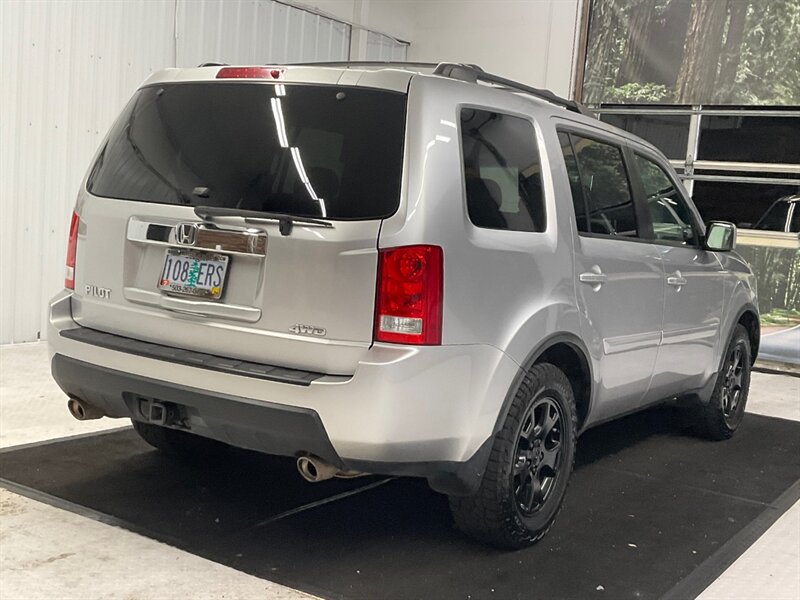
(503, 176)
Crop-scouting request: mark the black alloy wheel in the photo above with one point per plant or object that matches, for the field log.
(733, 384)
(722, 415)
(529, 467)
(538, 456)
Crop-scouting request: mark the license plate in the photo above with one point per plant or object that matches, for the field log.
(194, 273)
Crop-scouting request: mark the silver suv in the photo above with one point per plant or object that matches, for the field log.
(411, 270)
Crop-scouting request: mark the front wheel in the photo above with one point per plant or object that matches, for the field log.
(721, 417)
(529, 466)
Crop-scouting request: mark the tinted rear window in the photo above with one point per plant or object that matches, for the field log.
(320, 151)
(503, 176)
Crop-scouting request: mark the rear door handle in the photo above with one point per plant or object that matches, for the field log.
(595, 278)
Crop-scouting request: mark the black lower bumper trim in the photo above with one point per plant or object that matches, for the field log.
(190, 358)
(245, 423)
(255, 425)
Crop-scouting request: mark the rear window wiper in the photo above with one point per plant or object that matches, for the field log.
(285, 222)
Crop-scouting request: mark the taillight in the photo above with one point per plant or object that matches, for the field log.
(72, 248)
(408, 307)
(249, 73)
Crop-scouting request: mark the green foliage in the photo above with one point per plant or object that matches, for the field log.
(638, 93)
(770, 55)
(777, 272)
(781, 316)
(767, 70)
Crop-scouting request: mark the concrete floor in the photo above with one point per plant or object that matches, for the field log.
(46, 552)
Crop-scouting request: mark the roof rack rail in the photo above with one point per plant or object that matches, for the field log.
(365, 63)
(212, 64)
(474, 74)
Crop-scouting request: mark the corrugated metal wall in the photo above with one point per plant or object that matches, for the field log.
(247, 32)
(67, 68)
(383, 47)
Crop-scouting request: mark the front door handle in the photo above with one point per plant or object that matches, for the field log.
(595, 278)
(676, 280)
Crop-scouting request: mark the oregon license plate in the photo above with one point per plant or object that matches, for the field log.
(194, 273)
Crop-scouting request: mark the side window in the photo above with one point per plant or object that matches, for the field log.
(668, 212)
(605, 187)
(794, 226)
(503, 176)
(574, 181)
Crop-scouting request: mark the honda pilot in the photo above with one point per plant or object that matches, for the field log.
(425, 271)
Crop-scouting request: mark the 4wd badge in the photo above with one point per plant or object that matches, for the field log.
(308, 330)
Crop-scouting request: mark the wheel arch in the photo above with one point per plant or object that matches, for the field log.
(748, 318)
(567, 352)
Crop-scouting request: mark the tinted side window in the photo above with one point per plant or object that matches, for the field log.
(604, 183)
(794, 226)
(503, 176)
(574, 181)
(668, 212)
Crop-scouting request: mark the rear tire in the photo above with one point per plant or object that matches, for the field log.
(721, 417)
(179, 444)
(529, 467)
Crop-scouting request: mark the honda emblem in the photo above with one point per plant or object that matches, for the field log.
(186, 233)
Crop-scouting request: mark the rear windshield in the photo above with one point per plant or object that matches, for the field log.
(322, 151)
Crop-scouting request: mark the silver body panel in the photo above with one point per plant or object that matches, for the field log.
(505, 294)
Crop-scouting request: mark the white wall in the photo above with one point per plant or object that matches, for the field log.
(256, 32)
(67, 68)
(531, 41)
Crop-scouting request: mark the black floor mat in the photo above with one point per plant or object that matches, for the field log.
(647, 506)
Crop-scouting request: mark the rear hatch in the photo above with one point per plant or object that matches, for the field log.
(241, 219)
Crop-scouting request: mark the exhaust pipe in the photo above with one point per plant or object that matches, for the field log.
(82, 410)
(313, 469)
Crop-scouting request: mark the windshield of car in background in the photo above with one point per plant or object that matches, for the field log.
(307, 150)
(775, 217)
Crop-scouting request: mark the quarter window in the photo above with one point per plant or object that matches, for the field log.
(503, 175)
(603, 186)
(671, 219)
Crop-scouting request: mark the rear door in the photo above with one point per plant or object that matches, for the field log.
(294, 291)
(694, 283)
(620, 280)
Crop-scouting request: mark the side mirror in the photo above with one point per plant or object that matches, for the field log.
(720, 236)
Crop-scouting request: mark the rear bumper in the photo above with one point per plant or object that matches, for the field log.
(428, 412)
